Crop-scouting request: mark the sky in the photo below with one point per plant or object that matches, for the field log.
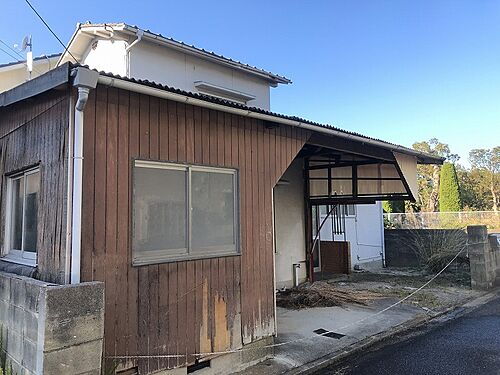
(398, 70)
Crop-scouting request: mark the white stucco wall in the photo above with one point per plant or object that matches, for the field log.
(364, 231)
(180, 70)
(108, 56)
(289, 226)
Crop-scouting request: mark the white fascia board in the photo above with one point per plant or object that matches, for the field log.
(210, 89)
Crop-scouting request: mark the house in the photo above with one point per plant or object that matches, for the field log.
(170, 195)
(14, 73)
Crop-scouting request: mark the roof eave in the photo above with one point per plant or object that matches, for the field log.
(271, 77)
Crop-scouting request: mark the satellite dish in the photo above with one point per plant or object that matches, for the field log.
(26, 42)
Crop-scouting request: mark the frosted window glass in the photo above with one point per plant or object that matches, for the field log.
(31, 212)
(17, 213)
(160, 219)
(341, 187)
(212, 215)
(341, 172)
(318, 188)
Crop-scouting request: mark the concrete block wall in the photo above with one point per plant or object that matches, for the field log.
(484, 255)
(51, 329)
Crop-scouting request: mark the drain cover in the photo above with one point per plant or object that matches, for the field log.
(334, 335)
(320, 331)
(324, 332)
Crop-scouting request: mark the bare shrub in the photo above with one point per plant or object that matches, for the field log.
(436, 248)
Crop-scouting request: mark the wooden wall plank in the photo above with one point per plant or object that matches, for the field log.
(111, 201)
(190, 306)
(123, 211)
(88, 185)
(35, 132)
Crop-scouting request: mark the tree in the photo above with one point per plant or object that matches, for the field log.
(487, 161)
(449, 189)
(391, 207)
(474, 189)
(428, 175)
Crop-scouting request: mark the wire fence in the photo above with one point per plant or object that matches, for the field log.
(442, 220)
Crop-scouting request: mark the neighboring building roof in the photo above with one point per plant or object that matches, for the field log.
(172, 43)
(23, 91)
(35, 59)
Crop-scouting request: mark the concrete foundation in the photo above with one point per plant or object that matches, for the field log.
(233, 362)
(51, 329)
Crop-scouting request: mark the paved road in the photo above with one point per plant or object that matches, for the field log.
(469, 344)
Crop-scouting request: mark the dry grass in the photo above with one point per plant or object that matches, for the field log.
(322, 294)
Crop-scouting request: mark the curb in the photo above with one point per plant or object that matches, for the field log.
(413, 324)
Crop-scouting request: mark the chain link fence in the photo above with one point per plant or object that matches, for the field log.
(443, 220)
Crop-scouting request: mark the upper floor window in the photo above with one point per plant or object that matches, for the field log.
(350, 210)
(183, 212)
(22, 216)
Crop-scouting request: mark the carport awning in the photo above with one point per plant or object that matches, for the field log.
(340, 178)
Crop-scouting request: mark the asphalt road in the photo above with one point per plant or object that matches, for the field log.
(469, 344)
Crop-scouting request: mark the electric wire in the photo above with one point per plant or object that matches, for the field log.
(8, 53)
(22, 60)
(50, 29)
(12, 49)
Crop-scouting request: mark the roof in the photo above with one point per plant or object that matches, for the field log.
(131, 30)
(34, 87)
(422, 156)
(38, 58)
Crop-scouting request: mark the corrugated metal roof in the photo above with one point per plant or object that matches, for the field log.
(41, 57)
(275, 77)
(229, 103)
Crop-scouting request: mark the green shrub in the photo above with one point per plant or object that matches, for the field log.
(449, 190)
(392, 207)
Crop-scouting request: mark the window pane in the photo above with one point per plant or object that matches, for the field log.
(321, 173)
(212, 220)
(160, 219)
(17, 213)
(318, 188)
(31, 212)
(349, 209)
(342, 172)
(341, 187)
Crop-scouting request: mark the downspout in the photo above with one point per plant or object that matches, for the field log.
(139, 35)
(83, 80)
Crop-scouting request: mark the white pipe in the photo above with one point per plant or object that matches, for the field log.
(69, 199)
(139, 34)
(83, 94)
(160, 93)
(296, 267)
(84, 80)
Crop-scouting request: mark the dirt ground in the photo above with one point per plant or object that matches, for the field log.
(448, 289)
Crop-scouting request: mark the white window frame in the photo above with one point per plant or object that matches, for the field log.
(188, 253)
(346, 210)
(20, 256)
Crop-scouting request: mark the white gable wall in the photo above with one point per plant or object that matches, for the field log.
(181, 70)
(107, 55)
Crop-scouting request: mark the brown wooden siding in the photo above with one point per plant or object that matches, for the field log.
(34, 132)
(182, 307)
